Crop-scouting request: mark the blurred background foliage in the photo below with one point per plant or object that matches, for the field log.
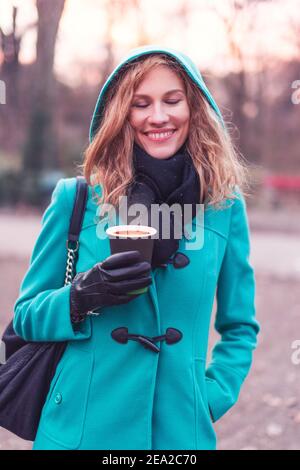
(248, 53)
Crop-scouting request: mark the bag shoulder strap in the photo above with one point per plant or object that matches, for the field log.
(75, 226)
(78, 209)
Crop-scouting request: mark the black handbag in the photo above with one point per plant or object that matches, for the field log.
(26, 375)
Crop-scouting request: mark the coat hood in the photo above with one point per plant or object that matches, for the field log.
(183, 60)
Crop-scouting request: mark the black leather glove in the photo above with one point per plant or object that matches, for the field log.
(107, 283)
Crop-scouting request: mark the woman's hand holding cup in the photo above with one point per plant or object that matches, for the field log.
(130, 238)
(108, 283)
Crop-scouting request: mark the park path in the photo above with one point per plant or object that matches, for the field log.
(267, 414)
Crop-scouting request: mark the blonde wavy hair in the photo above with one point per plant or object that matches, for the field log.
(108, 158)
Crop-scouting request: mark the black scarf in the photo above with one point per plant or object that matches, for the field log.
(170, 180)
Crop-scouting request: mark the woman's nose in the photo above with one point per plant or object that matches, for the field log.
(158, 115)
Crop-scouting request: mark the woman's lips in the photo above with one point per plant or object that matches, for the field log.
(162, 138)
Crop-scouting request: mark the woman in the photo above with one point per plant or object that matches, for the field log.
(156, 136)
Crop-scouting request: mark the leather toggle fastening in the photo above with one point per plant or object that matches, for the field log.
(121, 335)
(179, 260)
(172, 336)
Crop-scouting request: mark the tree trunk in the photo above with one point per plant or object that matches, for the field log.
(41, 151)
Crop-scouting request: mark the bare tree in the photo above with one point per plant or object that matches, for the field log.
(41, 151)
(236, 51)
(10, 44)
(293, 35)
(116, 11)
(243, 101)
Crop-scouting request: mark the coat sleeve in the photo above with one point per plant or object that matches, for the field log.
(235, 317)
(42, 310)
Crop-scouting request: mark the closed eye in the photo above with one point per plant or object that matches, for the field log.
(145, 105)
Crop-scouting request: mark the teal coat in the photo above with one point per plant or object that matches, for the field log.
(107, 395)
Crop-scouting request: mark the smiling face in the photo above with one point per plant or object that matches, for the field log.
(160, 113)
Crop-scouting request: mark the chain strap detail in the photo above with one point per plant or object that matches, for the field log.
(70, 264)
(71, 257)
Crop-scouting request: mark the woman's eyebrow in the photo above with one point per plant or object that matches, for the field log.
(167, 93)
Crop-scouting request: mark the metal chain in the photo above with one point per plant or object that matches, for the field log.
(70, 269)
(70, 265)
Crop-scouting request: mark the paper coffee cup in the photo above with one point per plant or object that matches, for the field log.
(132, 237)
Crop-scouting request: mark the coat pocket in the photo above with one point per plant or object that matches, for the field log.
(204, 423)
(63, 415)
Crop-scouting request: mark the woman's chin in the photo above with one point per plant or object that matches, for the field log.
(159, 150)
